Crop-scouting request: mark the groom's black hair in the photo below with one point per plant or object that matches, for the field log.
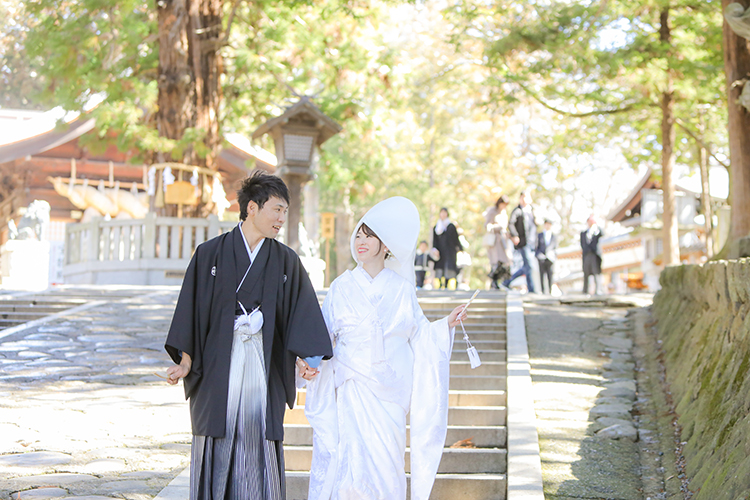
(260, 187)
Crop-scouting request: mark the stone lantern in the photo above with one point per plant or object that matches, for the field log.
(295, 135)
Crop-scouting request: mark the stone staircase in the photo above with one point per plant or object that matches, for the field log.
(22, 307)
(477, 410)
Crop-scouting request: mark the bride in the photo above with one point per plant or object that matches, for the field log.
(389, 361)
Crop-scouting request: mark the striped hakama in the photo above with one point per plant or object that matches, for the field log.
(243, 465)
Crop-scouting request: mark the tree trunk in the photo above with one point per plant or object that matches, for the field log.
(189, 93)
(737, 67)
(189, 70)
(176, 85)
(669, 217)
(205, 32)
(705, 193)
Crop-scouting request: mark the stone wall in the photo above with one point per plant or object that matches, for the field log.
(704, 330)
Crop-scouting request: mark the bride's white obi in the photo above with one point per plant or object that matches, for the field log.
(388, 361)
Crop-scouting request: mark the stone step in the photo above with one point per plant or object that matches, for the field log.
(41, 309)
(447, 486)
(455, 398)
(459, 354)
(487, 368)
(7, 322)
(478, 383)
(474, 312)
(480, 336)
(454, 461)
(42, 302)
(24, 315)
(483, 436)
(474, 316)
(457, 415)
(480, 344)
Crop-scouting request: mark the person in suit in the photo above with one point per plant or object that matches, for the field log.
(592, 255)
(546, 254)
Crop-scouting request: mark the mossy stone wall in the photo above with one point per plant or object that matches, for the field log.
(704, 327)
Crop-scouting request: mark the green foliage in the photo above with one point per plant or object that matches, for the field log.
(428, 99)
(602, 67)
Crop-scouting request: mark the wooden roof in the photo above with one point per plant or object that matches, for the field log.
(43, 151)
(303, 111)
(631, 205)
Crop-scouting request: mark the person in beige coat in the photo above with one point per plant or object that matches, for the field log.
(496, 241)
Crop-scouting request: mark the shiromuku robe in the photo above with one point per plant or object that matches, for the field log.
(203, 326)
(389, 361)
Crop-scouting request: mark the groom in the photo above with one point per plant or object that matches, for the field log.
(238, 367)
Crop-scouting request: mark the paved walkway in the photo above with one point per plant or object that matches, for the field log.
(584, 386)
(81, 413)
(74, 392)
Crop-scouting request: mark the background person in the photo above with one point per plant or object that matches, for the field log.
(496, 241)
(592, 255)
(445, 240)
(522, 229)
(546, 255)
(422, 263)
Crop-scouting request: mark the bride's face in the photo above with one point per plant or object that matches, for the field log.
(368, 248)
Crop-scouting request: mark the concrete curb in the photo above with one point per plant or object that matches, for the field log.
(178, 488)
(524, 461)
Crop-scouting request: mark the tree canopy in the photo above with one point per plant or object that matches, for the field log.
(449, 103)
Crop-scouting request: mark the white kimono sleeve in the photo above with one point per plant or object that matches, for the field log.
(320, 410)
(432, 344)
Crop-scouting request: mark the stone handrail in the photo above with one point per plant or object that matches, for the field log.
(155, 245)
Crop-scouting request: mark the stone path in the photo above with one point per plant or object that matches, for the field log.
(585, 389)
(81, 413)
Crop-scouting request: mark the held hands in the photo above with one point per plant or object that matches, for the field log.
(176, 372)
(456, 315)
(305, 371)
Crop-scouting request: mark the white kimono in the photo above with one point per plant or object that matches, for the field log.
(388, 361)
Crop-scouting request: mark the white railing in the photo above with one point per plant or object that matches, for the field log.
(149, 251)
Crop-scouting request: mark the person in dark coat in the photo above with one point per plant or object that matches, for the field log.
(247, 318)
(546, 255)
(445, 240)
(592, 255)
(522, 229)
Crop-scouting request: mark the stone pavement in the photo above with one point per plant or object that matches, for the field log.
(81, 413)
(585, 390)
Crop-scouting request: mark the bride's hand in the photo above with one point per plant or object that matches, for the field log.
(456, 315)
(305, 370)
